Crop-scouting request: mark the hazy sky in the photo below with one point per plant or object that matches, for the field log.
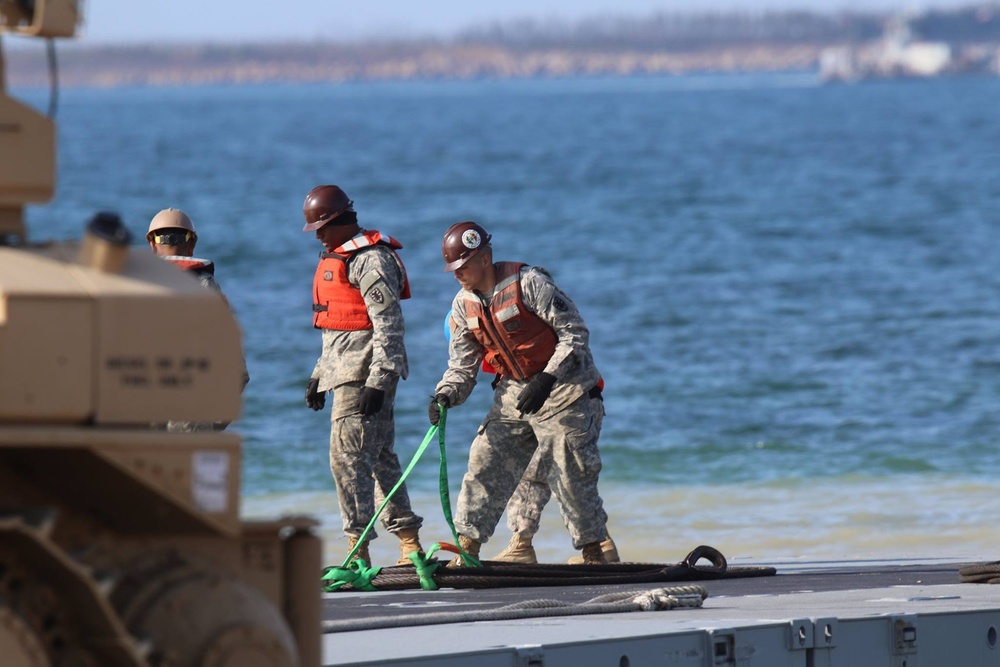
(115, 21)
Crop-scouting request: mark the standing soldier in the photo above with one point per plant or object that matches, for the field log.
(172, 237)
(546, 397)
(524, 515)
(356, 304)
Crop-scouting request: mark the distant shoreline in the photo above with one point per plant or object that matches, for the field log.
(659, 44)
(202, 66)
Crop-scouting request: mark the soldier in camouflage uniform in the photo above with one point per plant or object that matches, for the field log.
(524, 514)
(356, 304)
(524, 510)
(171, 236)
(546, 398)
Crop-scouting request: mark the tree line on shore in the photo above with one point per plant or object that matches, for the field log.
(601, 45)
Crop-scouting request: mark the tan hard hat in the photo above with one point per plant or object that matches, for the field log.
(170, 218)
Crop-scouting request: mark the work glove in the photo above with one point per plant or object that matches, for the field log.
(370, 401)
(315, 398)
(434, 410)
(535, 393)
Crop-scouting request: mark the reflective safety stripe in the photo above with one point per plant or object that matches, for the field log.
(507, 313)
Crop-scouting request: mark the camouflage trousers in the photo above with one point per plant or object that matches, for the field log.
(364, 464)
(524, 511)
(566, 444)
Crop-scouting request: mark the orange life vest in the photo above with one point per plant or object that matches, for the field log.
(517, 342)
(337, 304)
(193, 264)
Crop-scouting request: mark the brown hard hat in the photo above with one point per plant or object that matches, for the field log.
(323, 204)
(170, 218)
(461, 243)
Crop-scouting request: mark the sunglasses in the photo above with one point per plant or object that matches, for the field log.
(172, 238)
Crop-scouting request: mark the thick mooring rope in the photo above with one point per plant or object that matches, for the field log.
(658, 599)
(496, 574)
(984, 573)
(428, 573)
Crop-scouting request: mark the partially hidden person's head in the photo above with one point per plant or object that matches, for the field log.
(329, 212)
(467, 251)
(172, 233)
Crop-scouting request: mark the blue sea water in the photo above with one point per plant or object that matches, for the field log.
(792, 289)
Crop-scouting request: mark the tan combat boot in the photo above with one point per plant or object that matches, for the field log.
(609, 549)
(409, 542)
(362, 552)
(593, 555)
(470, 546)
(518, 550)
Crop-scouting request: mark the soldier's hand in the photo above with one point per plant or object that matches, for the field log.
(535, 393)
(434, 409)
(315, 398)
(370, 401)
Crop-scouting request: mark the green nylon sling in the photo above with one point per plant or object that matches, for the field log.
(359, 574)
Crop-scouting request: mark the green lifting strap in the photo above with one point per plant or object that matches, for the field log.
(357, 573)
(388, 496)
(425, 568)
(467, 558)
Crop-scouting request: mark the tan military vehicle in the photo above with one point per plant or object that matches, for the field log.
(120, 542)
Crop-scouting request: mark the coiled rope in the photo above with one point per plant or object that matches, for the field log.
(984, 573)
(429, 574)
(497, 574)
(659, 599)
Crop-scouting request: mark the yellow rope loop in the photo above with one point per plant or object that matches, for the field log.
(357, 574)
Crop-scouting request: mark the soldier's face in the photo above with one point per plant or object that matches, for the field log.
(476, 274)
(169, 250)
(334, 236)
(171, 241)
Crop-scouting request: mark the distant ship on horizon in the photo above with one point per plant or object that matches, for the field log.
(901, 53)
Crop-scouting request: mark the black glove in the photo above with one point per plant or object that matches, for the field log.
(370, 401)
(434, 411)
(535, 393)
(315, 398)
